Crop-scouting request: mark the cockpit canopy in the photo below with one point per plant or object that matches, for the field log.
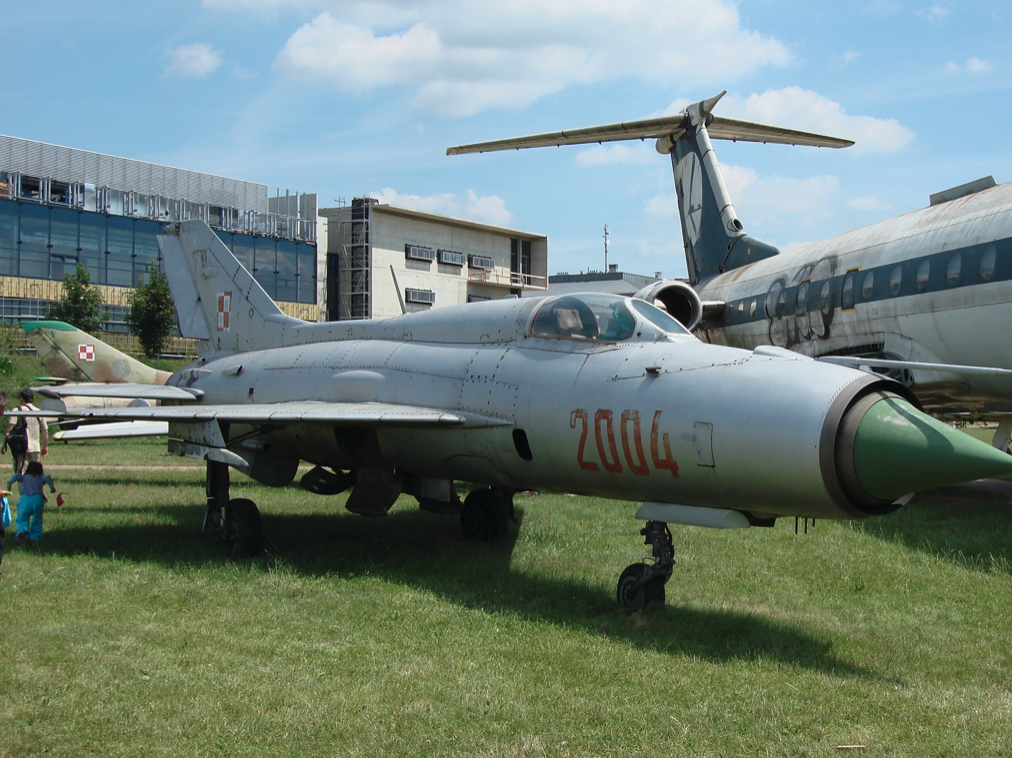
(599, 317)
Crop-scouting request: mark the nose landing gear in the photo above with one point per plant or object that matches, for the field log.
(643, 583)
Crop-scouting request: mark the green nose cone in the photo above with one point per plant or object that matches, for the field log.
(898, 450)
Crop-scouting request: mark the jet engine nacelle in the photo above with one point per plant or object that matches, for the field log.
(677, 298)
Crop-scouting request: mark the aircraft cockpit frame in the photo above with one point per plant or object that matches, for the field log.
(602, 318)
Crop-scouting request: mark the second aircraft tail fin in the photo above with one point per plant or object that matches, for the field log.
(216, 298)
(69, 353)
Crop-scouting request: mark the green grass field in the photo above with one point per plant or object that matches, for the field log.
(128, 634)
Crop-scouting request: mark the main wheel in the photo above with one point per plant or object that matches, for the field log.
(650, 592)
(243, 532)
(485, 515)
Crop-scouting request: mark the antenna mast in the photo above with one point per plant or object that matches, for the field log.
(606, 248)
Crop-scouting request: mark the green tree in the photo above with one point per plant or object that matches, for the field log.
(152, 315)
(82, 302)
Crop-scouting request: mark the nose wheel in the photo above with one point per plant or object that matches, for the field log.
(643, 583)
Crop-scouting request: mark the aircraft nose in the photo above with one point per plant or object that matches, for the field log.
(887, 449)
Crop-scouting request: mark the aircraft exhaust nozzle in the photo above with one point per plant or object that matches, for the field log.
(678, 298)
(886, 448)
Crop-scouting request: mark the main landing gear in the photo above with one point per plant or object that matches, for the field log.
(486, 514)
(643, 583)
(234, 521)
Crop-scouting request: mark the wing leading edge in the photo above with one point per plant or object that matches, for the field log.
(341, 414)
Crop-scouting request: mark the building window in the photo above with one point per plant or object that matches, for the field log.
(425, 297)
(416, 253)
(450, 258)
(482, 262)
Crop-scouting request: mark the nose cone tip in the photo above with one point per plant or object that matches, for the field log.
(898, 450)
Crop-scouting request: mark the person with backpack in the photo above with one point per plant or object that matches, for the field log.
(27, 437)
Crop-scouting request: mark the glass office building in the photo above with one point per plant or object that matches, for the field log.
(55, 212)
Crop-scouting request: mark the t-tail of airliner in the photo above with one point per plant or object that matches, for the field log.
(216, 298)
(715, 240)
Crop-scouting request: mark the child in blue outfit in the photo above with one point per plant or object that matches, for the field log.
(28, 524)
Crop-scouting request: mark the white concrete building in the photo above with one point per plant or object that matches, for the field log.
(383, 260)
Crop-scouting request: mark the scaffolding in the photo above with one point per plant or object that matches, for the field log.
(355, 262)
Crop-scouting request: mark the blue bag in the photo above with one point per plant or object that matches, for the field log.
(5, 514)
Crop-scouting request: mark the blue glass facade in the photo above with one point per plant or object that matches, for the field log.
(45, 242)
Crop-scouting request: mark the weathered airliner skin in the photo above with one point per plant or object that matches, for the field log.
(929, 287)
(589, 393)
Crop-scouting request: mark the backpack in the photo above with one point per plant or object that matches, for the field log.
(17, 438)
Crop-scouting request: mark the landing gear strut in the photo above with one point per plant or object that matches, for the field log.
(234, 521)
(485, 514)
(643, 583)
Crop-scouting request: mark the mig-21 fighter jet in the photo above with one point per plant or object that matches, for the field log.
(591, 394)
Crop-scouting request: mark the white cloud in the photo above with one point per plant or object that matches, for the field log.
(605, 155)
(196, 60)
(803, 202)
(809, 111)
(461, 56)
(867, 203)
(849, 57)
(978, 66)
(937, 12)
(488, 210)
(972, 66)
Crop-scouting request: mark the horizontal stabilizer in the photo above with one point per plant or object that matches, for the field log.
(128, 391)
(671, 127)
(339, 414)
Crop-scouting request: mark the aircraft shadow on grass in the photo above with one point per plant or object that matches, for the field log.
(967, 527)
(426, 551)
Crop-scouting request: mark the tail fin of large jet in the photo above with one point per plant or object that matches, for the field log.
(69, 353)
(714, 237)
(216, 298)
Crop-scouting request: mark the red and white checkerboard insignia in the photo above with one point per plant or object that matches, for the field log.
(85, 352)
(224, 309)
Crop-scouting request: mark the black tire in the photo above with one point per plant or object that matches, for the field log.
(485, 516)
(650, 592)
(243, 532)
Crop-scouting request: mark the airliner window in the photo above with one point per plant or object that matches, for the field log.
(603, 318)
(802, 304)
(896, 280)
(826, 297)
(847, 296)
(658, 318)
(987, 263)
(952, 272)
(868, 288)
(775, 300)
(923, 272)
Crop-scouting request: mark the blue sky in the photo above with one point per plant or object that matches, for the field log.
(363, 97)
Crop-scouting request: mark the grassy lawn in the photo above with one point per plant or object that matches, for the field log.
(128, 634)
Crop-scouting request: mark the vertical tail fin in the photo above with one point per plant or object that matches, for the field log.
(216, 298)
(714, 238)
(69, 353)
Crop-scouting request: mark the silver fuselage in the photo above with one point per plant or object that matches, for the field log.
(659, 417)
